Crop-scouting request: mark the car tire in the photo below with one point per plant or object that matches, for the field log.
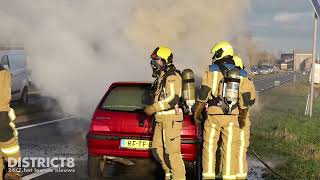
(95, 166)
(194, 169)
(24, 99)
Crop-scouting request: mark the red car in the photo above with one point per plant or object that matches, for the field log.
(119, 128)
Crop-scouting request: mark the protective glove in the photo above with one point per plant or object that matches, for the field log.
(197, 112)
(242, 117)
(150, 110)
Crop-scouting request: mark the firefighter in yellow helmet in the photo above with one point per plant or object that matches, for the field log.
(247, 99)
(219, 93)
(9, 145)
(168, 115)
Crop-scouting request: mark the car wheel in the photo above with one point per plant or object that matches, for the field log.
(194, 169)
(95, 166)
(24, 96)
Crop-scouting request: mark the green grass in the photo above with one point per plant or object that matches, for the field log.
(280, 131)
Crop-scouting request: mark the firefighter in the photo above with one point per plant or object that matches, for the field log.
(9, 145)
(168, 115)
(219, 93)
(247, 99)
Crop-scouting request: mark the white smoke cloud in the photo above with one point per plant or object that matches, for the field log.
(77, 48)
(190, 28)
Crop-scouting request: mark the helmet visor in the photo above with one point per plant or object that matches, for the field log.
(217, 54)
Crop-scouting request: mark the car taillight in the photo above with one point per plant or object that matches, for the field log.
(99, 125)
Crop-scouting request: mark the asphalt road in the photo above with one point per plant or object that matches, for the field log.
(51, 136)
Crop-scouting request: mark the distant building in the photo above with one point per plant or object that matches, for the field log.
(286, 62)
(287, 58)
(302, 60)
(297, 61)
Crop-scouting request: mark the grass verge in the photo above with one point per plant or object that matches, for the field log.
(281, 132)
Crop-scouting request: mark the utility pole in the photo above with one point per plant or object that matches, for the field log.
(313, 62)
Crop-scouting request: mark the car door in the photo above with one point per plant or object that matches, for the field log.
(15, 80)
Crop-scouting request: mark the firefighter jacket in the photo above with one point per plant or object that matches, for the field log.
(167, 94)
(6, 132)
(247, 93)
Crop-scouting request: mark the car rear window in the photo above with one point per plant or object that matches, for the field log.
(128, 98)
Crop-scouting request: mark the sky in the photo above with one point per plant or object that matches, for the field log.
(282, 25)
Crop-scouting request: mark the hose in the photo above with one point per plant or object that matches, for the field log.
(266, 165)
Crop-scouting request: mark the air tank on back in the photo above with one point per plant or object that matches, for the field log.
(188, 88)
(231, 88)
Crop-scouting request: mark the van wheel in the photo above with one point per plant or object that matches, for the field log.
(24, 99)
(194, 170)
(95, 166)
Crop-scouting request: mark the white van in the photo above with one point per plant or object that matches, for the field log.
(15, 62)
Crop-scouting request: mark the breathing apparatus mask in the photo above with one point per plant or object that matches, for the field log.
(156, 67)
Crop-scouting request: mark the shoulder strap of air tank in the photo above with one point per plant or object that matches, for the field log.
(214, 67)
(243, 73)
(171, 71)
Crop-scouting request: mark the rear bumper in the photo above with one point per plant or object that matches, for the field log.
(104, 145)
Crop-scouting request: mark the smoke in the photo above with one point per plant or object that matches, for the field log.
(247, 48)
(76, 48)
(190, 28)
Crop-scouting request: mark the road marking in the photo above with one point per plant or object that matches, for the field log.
(270, 87)
(34, 175)
(46, 171)
(44, 123)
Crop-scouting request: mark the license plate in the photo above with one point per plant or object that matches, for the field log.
(135, 144)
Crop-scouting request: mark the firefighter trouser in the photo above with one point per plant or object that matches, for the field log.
(9, 149)
(166, 148)
(228, 126)
(242, 151)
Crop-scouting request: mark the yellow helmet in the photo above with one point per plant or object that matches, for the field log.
(221, 50)
(238, 61)
(164, 53)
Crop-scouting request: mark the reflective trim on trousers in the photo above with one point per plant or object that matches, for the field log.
(242, 176)
(210, 151)
(10, 150)
(229, 146)
(242, 144)
(208, 175)
(229, 177)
